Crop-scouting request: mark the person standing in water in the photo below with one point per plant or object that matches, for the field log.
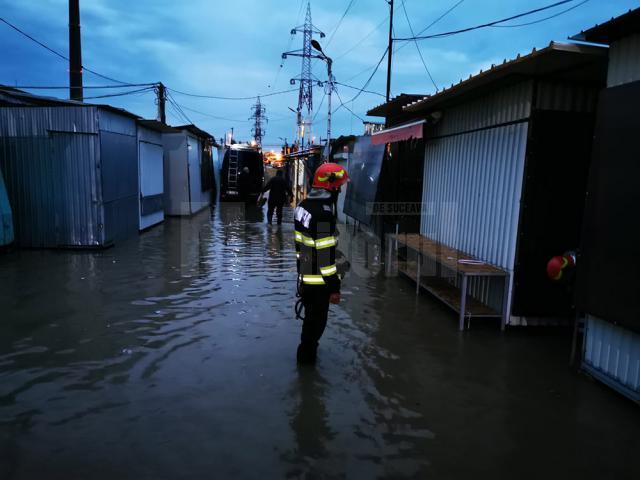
(316, 241)
(279, 194)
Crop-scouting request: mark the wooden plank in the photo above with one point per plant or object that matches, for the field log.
(447, 293)
(447, 256)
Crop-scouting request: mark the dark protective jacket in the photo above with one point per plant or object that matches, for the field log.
(279, 190)
(316, 241)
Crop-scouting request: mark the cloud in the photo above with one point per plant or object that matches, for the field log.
(233, 48)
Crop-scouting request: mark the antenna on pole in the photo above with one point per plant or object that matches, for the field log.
(304, 112)
(258, 117)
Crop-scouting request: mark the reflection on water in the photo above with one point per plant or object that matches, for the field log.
(173, 356)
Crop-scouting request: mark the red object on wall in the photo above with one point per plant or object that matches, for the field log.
(398, 134)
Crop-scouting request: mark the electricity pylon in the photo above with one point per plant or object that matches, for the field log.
(304, 112)
(258, 117)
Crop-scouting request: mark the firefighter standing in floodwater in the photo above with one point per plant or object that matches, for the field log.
(318, 280)
(279, 193)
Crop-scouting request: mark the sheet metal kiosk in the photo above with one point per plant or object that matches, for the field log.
(188, 170)
(71, 171)
(608, 292)
(495, 146)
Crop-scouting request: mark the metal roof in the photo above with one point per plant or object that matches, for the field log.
(12, 96)
(157, 126)
(568, 62)
(394, 106)
(195, 130)
(618, 27)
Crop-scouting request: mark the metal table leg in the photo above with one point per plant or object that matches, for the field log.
(463, 302)
(419, 261)
(505, 303)
(390, 246)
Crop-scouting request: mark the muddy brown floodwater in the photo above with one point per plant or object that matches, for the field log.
(172, 355)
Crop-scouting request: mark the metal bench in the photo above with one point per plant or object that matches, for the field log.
(453, 262)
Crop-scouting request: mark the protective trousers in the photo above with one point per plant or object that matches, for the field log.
(316, 309)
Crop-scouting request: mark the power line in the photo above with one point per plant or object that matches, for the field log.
(357, 44)
(363, 91)
(175, 112)
(339, 23)
(173, 101)
(120, 94)
(542, 19)
(275, 81)
(441, 17)
(451, 9)
(343, 105)
(319, 107)
(484, 25)
(215, 97)
(406, 15)
(215, 117)
(95, 87)
(22, 32)
(366, 84)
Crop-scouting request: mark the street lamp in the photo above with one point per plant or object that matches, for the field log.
(316, 46)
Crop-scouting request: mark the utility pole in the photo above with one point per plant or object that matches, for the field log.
(75, 52)
(258, 117)
(306, 79)
(161, 100)
(390, 50)
(330, 88)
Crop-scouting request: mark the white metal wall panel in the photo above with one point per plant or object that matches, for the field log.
(471, 198)
(624, 61)
(39, 121)
(151, 179)
(116, 123)
(471, 195)
(176, 174)
(151, 173)
(199, 200)
(148, 135)
(613, 353)
(505, 105)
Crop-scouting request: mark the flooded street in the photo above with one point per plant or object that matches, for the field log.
(172, 355)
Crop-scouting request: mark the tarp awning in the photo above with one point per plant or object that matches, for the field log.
(399, 133)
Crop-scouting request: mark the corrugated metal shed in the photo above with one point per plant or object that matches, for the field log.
(49, 156)
(184, 194)
(476, 156)
(71, 174)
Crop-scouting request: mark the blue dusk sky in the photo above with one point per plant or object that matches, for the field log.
(233, 49)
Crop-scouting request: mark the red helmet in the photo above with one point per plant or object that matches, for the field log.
(559, 263)
(555, 266)
(330, 176)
